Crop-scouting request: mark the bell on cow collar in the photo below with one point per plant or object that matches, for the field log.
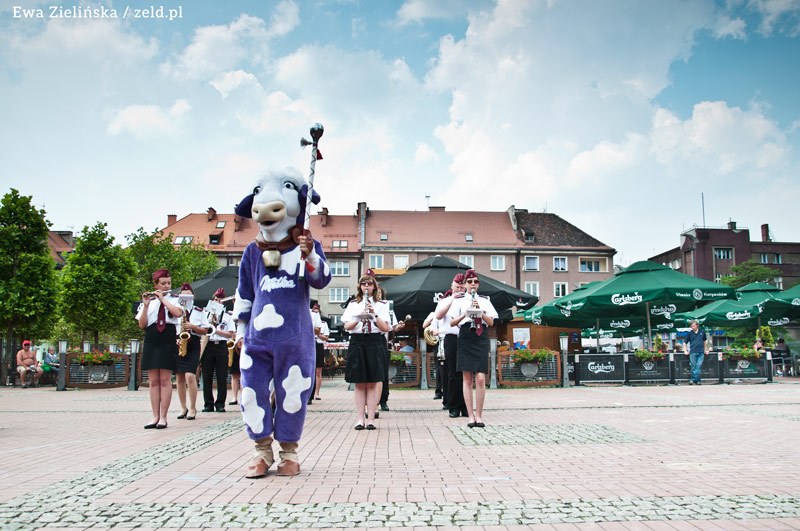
(271, 258)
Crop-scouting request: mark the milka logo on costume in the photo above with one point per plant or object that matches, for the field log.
(269, 284)
(623, 299)
(736, 316)
(597, 368)
(620, 324)
(663, 310)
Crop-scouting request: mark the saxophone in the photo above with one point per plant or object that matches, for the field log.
(183, 337)
(231, 347)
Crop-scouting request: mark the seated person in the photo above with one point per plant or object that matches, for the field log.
(50, 358)
(405, 347)
(26, 362)
(758, 345)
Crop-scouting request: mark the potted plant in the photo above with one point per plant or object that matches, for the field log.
(396, 360)
(647, 355)
(529, 360)
(744, 353)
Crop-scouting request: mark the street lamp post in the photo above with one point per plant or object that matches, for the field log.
(133, 384)
(61, 381)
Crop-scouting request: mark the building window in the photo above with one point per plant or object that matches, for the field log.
(532, 288)
(559, 289)
(339, 294)
(467, 260)
(220, 224)
(588, 265)
(214, 239)
(180, 240)
(498, 262)
(384, 237)
(376, 261)
(559, 263)
(778, 259)
(529, 237)
(675, 264)
(531, 263)
(468, 237)
(718, 278)
(339, 244)
(778, 281)
(401, 261)
(340, 269)
(336, 320)
(723, 253)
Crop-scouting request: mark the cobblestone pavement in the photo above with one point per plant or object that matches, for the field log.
(707, 457)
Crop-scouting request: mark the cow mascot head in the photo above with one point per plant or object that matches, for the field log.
(274, 321)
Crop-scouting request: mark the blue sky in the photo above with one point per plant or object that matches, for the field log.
(616, 116)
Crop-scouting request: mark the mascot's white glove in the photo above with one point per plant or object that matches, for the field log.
(241, 327)
(313, 258)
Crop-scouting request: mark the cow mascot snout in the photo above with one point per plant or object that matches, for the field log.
(274, 321)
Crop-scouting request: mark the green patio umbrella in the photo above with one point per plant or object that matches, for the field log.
(756, 303)
(642, 288)
(791, 295)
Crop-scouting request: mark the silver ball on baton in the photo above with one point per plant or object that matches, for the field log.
(316, 133)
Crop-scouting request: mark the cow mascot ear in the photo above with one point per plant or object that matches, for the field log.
(315, 198)
(245, 206)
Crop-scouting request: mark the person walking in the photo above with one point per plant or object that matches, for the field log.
(367, 320)
(321, 333)
(473, 315)
(196, 325)
(159, 316)
(696, 348)
(215, 356)
(454, 396)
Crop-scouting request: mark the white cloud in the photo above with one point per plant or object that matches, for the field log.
(148, 121)
(219, 48)
(285, 19)
(418, 11)
(424, 153)
(727, 27)
(774, 12)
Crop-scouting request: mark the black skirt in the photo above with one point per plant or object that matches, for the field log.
(234, 368)
(160, 349)
(366, 358)
(473, 350)
(320, 355)
(190, 362)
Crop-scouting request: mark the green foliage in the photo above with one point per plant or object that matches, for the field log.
(149, 252)
(647, 355)
(27, 272)
(746, 353)
(397, 358)
(658, 343)
(97, 284)
(532, 356)
(765, 333)
(749, 272)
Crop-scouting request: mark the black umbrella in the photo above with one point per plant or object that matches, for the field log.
(226, 277)
(417, 291)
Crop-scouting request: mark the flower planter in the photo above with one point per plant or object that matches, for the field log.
(529, 369)
(648, 370)
(738, 368)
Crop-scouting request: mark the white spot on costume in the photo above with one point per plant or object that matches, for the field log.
(294, 385)
(268, 318)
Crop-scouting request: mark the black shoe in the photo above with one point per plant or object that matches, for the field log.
(150, 426)
(384, 406)
(161, 426)
(454, 413)
(370, 426)
(437, 396)
(234, 403)
(220, 410)
(208, 409)
(480, 425)
(183, 415)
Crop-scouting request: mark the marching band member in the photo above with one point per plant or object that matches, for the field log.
(215, 357)
(367, 320)
(159, 315)
(321, 332)
(473, 314)
(454, 396)
(196, 324)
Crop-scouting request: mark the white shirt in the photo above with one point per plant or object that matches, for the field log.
(445, 321)
(461, 305)
(152, 310)
(225, 324)
(356, 308)
(198, 317)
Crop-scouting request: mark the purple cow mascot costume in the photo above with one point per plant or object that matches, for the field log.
(272, 308)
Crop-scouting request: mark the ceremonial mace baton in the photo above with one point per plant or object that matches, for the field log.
(316, 133)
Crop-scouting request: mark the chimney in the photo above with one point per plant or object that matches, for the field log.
(171, 219)
(765, 233)
(211, 213)
(436, 209)
(324, 216)
(237, 223)
(732, 225)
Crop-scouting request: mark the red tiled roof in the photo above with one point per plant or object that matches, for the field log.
(60, 245)
(200, 226)
(440, 229)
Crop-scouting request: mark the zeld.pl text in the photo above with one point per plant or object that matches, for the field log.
(157, 12)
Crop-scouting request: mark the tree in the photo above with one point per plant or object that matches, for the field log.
(187, 263)
(749, 272)
(27, 272)
(98, 283)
